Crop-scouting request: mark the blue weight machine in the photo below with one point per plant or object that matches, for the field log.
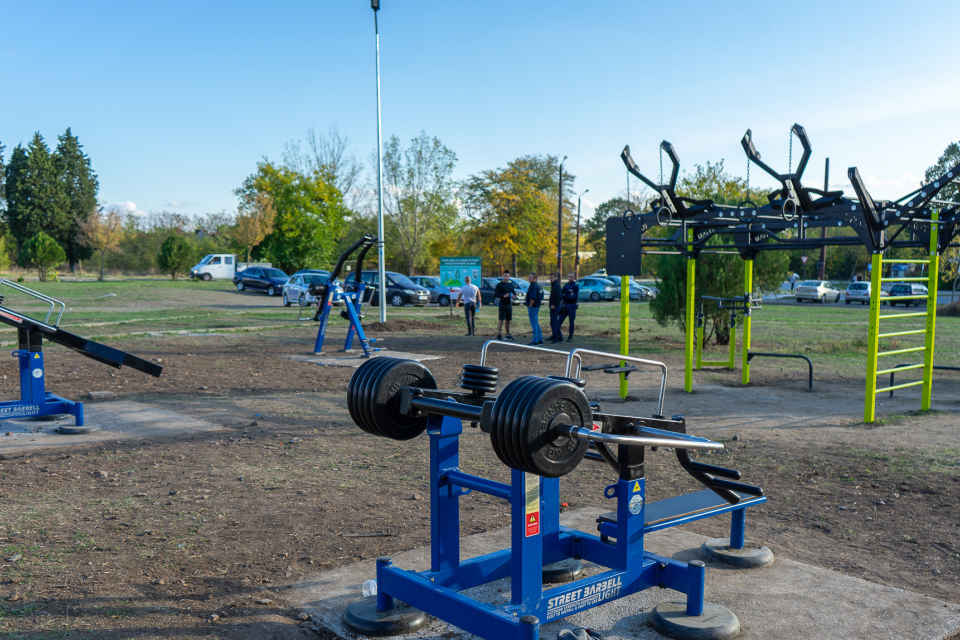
(35, 401)
(529, 421)
(329, 292)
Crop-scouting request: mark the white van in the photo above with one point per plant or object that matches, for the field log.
(215, 266)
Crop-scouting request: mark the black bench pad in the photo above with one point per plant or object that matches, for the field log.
(692, 506)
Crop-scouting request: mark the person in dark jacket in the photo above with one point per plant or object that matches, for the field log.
(568, 305)
(503, 295)
(534, 297)
(555, 334)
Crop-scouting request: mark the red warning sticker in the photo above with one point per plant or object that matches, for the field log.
(596, 426)
(533, 524)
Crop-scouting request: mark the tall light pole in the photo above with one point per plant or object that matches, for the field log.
(576, 260)
(382, 279)
(560, 225)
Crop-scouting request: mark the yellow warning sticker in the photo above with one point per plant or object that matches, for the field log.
(636, 487)
(532, 503)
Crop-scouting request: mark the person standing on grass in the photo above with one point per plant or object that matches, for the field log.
(534, 297)
(503, 295)
(555, 295)
(470, 293)
(568, 306)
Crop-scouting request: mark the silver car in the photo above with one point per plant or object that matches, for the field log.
(820, 290)
(439, 293)
(297, 288)
(860, 292)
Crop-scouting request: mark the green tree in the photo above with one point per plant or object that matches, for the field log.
(103, 231)
(175, 256)
(42, 253)
(418, 194)
(511, 216)
(35, 195)
(309, 215)
(718, 275)
(79, 186)
(950, 260)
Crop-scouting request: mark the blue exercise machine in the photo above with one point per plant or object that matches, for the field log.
(351, 295)
(35, 400)
(542, 428)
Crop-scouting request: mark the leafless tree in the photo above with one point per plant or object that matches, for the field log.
(329, 155)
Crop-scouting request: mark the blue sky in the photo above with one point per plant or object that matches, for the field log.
(177, 101)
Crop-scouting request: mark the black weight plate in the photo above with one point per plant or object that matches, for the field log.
(358, 396)
(513, 410)
(500, 410)
(366, 390)
(385, 399)
(490, 377)
(354, 390)
(520, 416)
(547, 455)
(476, 368)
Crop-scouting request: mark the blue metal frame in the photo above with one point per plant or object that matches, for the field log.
(351, 301)
(35, 401)
(631, 568)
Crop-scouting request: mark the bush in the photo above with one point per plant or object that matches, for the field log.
(175, 256)
(42, 253)
(952, 309)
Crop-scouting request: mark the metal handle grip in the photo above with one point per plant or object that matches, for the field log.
(582, 433)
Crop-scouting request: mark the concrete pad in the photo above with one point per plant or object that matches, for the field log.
(354, 358)
(121, 420)
(784, 601)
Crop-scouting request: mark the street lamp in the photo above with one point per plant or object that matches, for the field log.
(560, 224)
(576, 260)
(381, 276)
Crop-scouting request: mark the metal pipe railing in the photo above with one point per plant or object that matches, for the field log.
(576, 353)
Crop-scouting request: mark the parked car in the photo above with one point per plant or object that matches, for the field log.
(401, 290)
(906, 289)
(439, 293)
(649, 293)
(265, 279)
(596, 289)
(860, 292)
(220, 266)
(297, 288)
(487, 286)
(820, 290)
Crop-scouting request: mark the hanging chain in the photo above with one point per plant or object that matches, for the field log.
(790, 166)
(661, 166)
(748, 179)
(628, 188)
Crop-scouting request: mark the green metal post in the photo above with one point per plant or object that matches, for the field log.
(691, 299)
(624, 329)
(873, 339)
(933, 270)
(699, 331)
(733, 347)
(748, 287)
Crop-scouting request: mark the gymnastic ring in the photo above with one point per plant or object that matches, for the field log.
(660, 212)
(747, 211)
(630, 215)
(794, 206)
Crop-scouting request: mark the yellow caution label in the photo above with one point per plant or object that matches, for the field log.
(36, 356)
(636, 487)
(532, 503)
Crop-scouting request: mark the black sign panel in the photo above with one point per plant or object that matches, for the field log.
(623, 247)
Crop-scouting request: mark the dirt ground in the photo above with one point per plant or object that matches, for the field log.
(196, 537)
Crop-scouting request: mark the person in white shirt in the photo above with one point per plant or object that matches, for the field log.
(470, 293)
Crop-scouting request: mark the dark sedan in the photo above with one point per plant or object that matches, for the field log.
(487, 285)
(264, 279)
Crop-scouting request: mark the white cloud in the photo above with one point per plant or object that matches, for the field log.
(127, 207)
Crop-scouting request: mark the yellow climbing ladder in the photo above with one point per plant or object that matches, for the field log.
(928, 330)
